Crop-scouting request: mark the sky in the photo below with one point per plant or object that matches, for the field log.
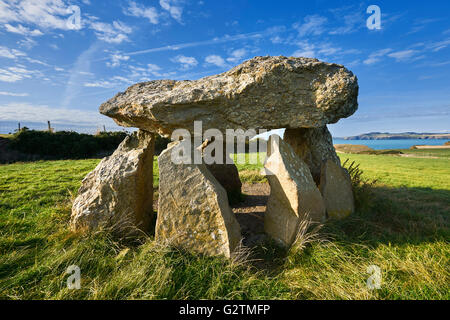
(60, 59)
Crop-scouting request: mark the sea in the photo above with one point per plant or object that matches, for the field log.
(392, 144)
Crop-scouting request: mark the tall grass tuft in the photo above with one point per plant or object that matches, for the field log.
(362, 187)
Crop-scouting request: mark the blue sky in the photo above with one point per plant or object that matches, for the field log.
(54, 67)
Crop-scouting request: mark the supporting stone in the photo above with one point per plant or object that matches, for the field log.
(336, 189)
(314, 146)
(225, 172)
(118, 193)
(293, 197)
(193, 209)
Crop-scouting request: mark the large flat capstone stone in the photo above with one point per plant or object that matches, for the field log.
(264, 92)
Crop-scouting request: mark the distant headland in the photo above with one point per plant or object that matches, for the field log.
(395, 136)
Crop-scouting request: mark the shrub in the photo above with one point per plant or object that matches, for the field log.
(362, 187)
(65, 144)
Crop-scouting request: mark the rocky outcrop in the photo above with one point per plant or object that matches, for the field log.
(193, 209)
(336, 189)
(118, 193)
(314, 146)
(264, 92)
(293, 197)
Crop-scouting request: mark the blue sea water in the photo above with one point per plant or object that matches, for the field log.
(392, 144)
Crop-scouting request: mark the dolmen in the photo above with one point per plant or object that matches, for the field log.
(307, 181)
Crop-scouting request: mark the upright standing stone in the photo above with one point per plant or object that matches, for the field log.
(336, 189)
(193, 209)
(225, 172)
(314, 146)
(118, 193)
(293, 194)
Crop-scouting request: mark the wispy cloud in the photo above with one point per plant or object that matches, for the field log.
(19, 29)
(421, 24)
(237, 55)
(404, 55)
(215, 60)
(322, 50)
(116, 59)
(173, 7)
(138, 10)
(117, 32)
(218, 40)
(78, 74)
(11, 53)
(46, 14)
(114, 82)
(13, 94)
(23, 111)
(312, 25)
(185, 62)
(17, 73)
(377, 56)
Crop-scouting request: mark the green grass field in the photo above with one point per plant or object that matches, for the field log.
(403, 229)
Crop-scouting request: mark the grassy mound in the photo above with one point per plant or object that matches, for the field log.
(352, 148)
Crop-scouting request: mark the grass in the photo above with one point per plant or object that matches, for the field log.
(403, 229)
(440, 153)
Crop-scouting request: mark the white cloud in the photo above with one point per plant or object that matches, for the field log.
(322, 50)
(437, 46)
(173, 7)
(376, 56)
(19, 29)
(11, 53)
(27, 43)
(148, 73)
(116, 60)
(111, 33)
(237, 55)
(313, 25)
(114, 82)
(138, 10)
(186, 62)
(41, 113)
(306, 50)
(215, 60)
(46, 14)
(56, 14)
(403, 55)
(399, 56)
(14, 74)
(13, 94)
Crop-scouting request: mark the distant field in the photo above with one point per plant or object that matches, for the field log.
(403, 229)
(440, 153)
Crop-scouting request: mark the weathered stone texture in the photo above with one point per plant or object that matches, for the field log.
(336, 189)
(293, 197)
(193, 209)
(264, 92)
(314, 146)
(118, 193)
